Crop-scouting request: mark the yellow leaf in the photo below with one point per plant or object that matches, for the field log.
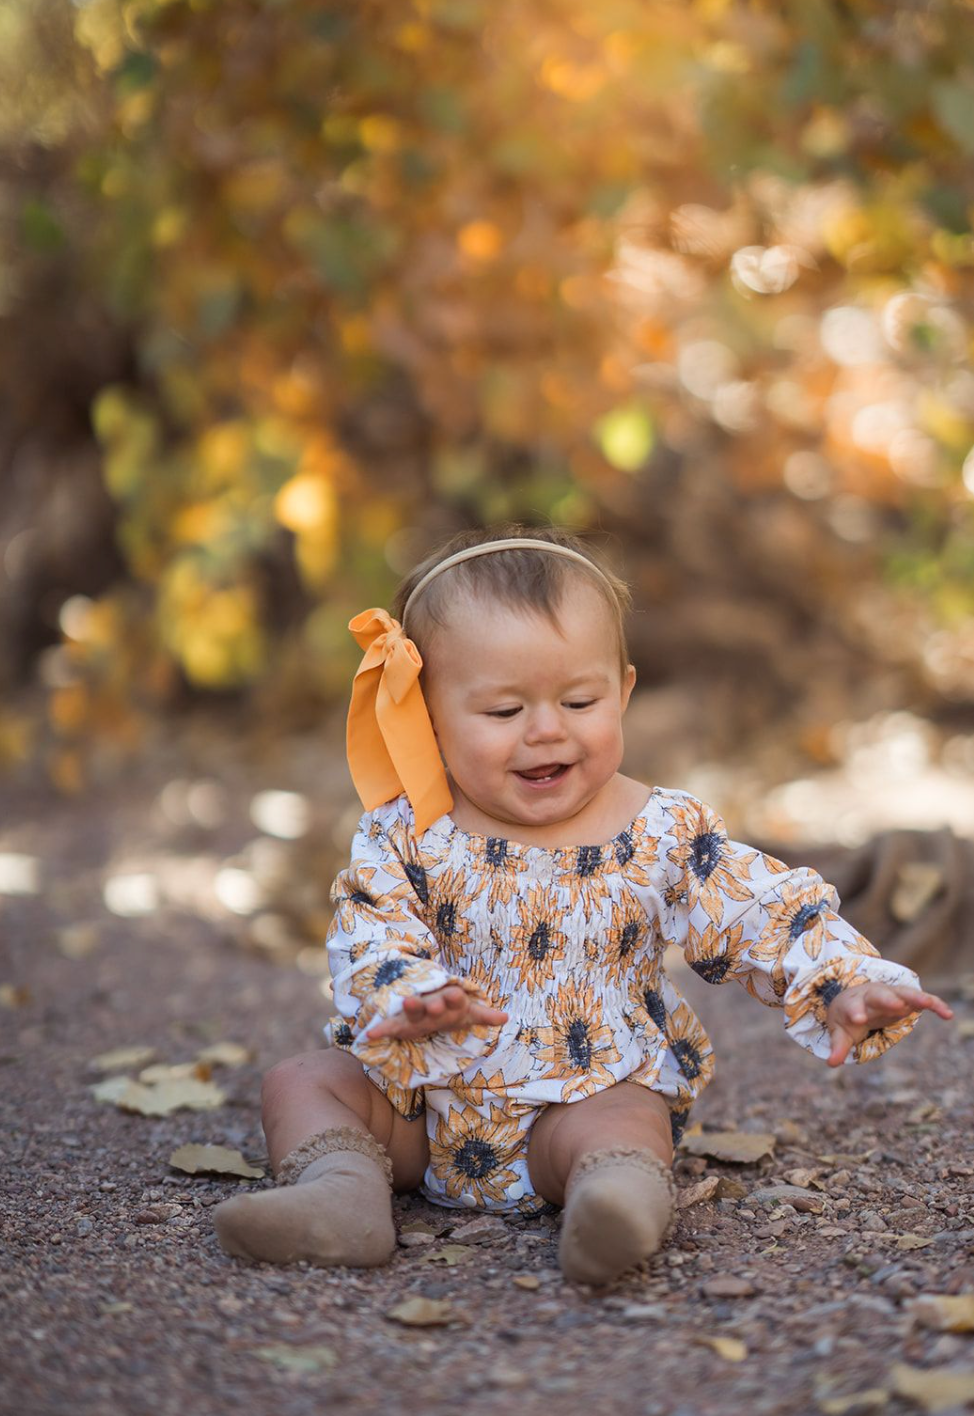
(742, 1147)
(912, 1241)
(694, 1194)
(185, 1094)
(311, 1358)
(867, 1400)
(213, 1160)
(225, 1054)
(422, 1312)
(450, 1255)
(121, 1057)
(944, 1312)
(730, 1348)
(933, 1388)
(14, 995)
(530, 1281)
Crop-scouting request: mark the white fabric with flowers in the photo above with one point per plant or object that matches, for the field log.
(570, 942)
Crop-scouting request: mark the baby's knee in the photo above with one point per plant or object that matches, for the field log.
(326, 1070)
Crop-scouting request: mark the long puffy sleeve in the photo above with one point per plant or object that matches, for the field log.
(381, 951)
(738, 913)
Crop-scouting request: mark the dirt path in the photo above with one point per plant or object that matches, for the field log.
(116, 1298)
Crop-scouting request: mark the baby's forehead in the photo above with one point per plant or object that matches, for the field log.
(484, 636)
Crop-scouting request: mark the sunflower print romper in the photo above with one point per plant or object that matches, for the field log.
(569, 942)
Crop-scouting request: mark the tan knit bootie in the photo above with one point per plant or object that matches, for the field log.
(618, 1208)
(333, 1205)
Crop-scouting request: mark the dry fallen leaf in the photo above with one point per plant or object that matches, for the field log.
(912, 1241)
(694, 1194)
(77, 941)
(174, 1072)
(450, 1255)
(213, 1160)
(965, 1029)
(869, 1400)
(728, 1189)
(186, 1094)
(730, 1348)
(121, 1058)
(530, 1281)
(933, 1388)
(14, 995)
(422, 1312)
(225, 1054)
(742, 1147)
(943, 1312)
(311, 1358)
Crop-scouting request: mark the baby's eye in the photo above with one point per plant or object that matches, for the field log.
(502, 712)
(580, 703)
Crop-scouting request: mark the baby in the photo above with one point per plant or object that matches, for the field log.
(506, 1034)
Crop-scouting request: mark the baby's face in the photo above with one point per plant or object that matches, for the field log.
(529, 720)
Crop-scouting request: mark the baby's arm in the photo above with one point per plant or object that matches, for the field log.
(739, 913)
(387, 971)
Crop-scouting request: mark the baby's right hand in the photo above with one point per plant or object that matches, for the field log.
(444, 1010)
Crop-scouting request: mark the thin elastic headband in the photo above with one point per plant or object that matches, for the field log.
(515, 543)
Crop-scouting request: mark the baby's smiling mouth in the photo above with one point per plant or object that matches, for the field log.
(547, 772)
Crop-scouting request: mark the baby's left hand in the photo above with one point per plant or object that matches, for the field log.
(865, 1006)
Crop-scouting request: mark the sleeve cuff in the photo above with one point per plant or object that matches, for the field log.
(809, 996)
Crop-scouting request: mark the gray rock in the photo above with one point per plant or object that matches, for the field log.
(806, 1201)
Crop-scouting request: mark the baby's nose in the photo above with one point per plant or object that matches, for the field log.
(544, 725)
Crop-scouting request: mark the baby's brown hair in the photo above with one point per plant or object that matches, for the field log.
(527, 579)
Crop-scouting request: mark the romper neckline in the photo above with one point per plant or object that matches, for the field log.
(451, 829)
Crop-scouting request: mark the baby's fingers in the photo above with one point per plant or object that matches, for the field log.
(842, 1044)
(484, 1013)
(918, 1000)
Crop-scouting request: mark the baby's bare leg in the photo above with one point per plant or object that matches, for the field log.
(336, 1143)
(317, 1091)
(607, 1159)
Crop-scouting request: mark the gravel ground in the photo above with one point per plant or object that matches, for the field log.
(115, 1296)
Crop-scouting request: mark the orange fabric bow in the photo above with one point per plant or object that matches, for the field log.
(390, 740)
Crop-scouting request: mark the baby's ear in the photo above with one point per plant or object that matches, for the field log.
(628, 683)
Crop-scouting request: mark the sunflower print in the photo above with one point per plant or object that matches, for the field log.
(628, 928)
(588, 878)
(774, 866)
(568, 941)
(577, 1045)
(538, 941)
(637, 853)
(647, 1000)
(716, 954)
(800, 912)
(397, 1059)
(691, 1048)
(478, 1087)
(711, 872)
(450, 896)
(471, 1154)
(499, 866)
(395, 972)
(849, 939)
(357, 897)
(815, 995)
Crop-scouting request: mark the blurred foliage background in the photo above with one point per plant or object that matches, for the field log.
(291, 290)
